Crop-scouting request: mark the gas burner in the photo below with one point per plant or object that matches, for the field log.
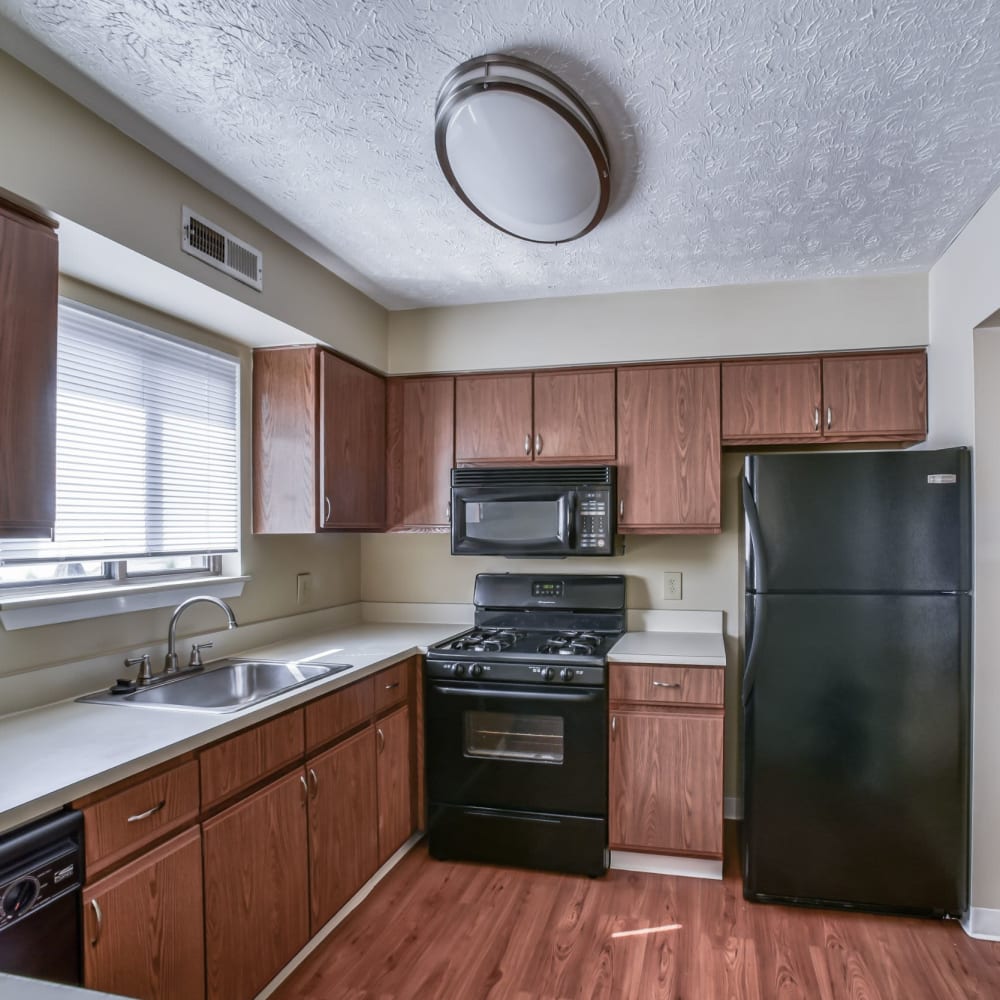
(572, 644)
(485, 640)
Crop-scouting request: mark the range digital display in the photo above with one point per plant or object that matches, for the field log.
(547, 588)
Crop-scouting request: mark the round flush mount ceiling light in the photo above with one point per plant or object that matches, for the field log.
(522, 150)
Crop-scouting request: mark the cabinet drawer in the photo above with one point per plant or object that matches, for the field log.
(127, 820)
(667, 685)
(242, 760)
(338, 713)
(392, 686)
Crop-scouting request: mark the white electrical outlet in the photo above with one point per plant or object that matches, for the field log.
(671, 586)
(302, 587)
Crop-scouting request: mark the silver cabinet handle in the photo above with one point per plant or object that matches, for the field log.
(614, 726)
(394, 684)
(327, 510)
(538, 444)
(621, 508)
(147, 813)
(305, 789)
(664, 684)
(815, 418)
(98, 922)
(527, 444)
(829, 417)
(314, 782)
(447, 512)
(381, 740)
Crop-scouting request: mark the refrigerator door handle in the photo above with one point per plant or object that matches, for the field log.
(750, 667)
(756, 543)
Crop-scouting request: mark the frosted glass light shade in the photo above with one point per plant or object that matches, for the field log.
(521, 150)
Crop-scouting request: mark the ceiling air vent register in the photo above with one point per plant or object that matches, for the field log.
(220, 249)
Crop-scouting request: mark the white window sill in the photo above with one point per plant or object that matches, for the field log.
(29, 610)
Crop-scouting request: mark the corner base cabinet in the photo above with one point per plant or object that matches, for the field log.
(665, 771)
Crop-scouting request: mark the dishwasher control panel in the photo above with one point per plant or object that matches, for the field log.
(48, 879)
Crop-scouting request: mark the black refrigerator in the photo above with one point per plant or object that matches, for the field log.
(856, 679)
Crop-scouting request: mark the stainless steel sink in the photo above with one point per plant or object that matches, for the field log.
(224, 686)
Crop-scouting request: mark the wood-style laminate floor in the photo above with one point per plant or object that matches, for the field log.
(441, 931)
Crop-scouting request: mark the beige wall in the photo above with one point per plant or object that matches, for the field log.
(271, 561)
(66, 159)
(964, 370)
(419, 568)
(782, 318)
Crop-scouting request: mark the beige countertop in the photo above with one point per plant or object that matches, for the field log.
(17, 988)
(60, 752)
(693, 638)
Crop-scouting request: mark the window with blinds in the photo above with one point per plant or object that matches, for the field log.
(147, 452)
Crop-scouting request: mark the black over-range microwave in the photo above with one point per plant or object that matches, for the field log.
(533, 511)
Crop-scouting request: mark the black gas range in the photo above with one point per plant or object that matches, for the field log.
(517, 724)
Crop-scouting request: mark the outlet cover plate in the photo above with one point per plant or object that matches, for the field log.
(671, 586)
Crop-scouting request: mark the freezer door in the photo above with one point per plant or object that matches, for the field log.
(859, 521)
(856, 751)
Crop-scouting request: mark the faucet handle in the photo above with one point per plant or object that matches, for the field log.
(145, 669)
(196, 649)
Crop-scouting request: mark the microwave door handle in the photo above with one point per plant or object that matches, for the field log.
(570, 519)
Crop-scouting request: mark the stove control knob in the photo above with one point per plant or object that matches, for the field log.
(547, 673)
(476, 669)
(567, 674)
(459, 669)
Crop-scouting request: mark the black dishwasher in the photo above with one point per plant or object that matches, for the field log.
(41, 872)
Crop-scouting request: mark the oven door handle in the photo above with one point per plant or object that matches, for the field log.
(542, 695)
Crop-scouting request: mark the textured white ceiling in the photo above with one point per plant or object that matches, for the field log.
(751, 141)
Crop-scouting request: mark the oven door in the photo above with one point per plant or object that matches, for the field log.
(517, 746)
(522, 522)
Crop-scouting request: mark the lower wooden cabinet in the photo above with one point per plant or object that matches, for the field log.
(666, 781)
(666, 763)
(143, 925)
(395, 800)
(343, 824)
(256, 888)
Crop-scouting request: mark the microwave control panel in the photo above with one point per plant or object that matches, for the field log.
(594, 521)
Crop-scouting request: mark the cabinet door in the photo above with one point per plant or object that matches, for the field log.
(666, 783)
(493, 418)
(421, 436)
(875, 397)
(144, 932)
(771, 400)
(29, 275)
(352, 432)
(575, 416)
(395, 794)
(343, 824)
(669, 454)
(256, 888)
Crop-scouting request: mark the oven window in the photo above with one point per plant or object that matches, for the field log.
(514, 520)
(506, 736)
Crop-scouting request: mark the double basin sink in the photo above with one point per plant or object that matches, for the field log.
(224, 686)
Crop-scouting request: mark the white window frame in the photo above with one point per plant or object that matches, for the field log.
(117, 591)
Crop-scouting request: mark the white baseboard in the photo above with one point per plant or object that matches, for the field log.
(980, 922)
(660, 864)
(732, 807)
(338, 918)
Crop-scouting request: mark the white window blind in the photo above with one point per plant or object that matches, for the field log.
(147, 445)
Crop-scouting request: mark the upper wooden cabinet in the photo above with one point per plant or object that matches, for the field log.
(546, 416)
(875, 397)
(669, 455)
(421, 452)
(29, 289)
(318, 443)
(847, 397)
(772, 399)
